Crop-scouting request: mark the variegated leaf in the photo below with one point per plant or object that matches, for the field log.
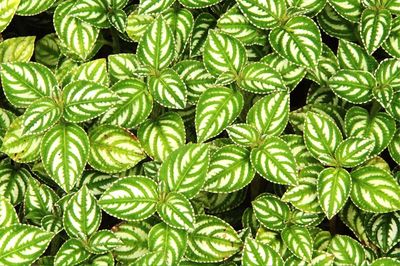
(258, 254)
(162, 135)
(244, 134)
(352, 56)
(274, 161)
(299, 241)
(346, 250)
(18, 49)
(348, 9)
(394, 147)
(30, 8)
(181, 22)
(384, 231)
(375, 28)
(122, 66)
(82, 215)
(13, 182)
(8, 215)
(185, 169)
(137, 25)
(95, 71)
(202, 24)
(154, 6)
(334, 185)
(176, 211)
(388, 73)
(230, 170)
(392, 43)
(217, 108)
(263, 14)
(271, 212)
(353, 151)
(375, 190)
(72, 252)
(93, 12)
(113, 149)
(198, 3)
(7, 11)
(103, 241)
(131, 198)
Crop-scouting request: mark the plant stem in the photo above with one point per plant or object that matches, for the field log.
(115, 42)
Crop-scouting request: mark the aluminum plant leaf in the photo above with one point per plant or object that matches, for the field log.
(346, 250)
(257, 254)
(72, 252)
(18, 49)
(383, 230)
(176, 211)
(93, 12)
(271, 212)
(353, 56)
(299, 241)
(375, 28)
(263, 14)
(353, 151)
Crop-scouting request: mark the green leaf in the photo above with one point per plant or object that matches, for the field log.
(181, 22)
(353, 218)
(348, 9)
(22, 244)
(375, 190)
(354, 57)
(384, 231)
(168, 89)
(96, 182)
(195, 77)
(322, 137)
(375, 28)
(162, 135)
(169, 241)
(346, 250)
(176, 211)
(385, 262)
(156, 47)
(72, 252)
(379, 127)
(47, 51)
(298, 40)
(384, 95)
(230, 170)
(217, 108)
(95, 71)
(212, 240)
(260, 78)
(185, 169)
(243, 134)
(7, 11)
(263, 14)
(103, 241)
(8, 215)
(77, 36)
(118, 19)
(394, 147)
(258, 254)
(202, 24)
(154, 6)
(113, 149)
(387, 73)
(51, 223)
(18, 49)
(31, 7)
(274, 161)
(299, 241)
(23, 83)
(84, 100)
(223, 53)
(93, 12)
(41, 115)
(134, 106)
(271, 212)
(13, 183)
(20, 147)
(137, 25)
(392, 43)
(122, 66)
(302, 156)
(334, 185)
(354, 86)
(198, 3)
(353, 151)
(64, 151)
(270, 114)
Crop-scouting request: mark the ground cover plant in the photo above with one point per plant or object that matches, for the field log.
(200, 132)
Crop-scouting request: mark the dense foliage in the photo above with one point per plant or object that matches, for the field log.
(200, 132)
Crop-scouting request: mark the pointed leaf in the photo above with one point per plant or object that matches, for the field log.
(392, 43)
(263, 14)
(243, 134)
(375, 28)
(176, 211)
(181, 23)
(349, 9)
(137, 25)
(29, 7)
(154, 6)
(8, 215)
(388, 73)
(93, 12)
(384, 231)
(271, 212)
(202, 24)
(352, 56)
(18, 49)
(346, 250)
(13, 183)
(353, 151)
(95, 71)
(298, 241)
(258, 254)
(7, 11)
(103, 241)
(72, 252)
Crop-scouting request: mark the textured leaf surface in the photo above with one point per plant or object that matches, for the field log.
(352, 56)
(18, 49)
(176, 211)
(8, 216)
(256, 253)
(299, 241)
(202, 24)
(353, 151)
(103, 241)
(130, 198)
(72, 252)
(113, 149)
(346, 250)
(29, 7)
(263, 14)
(13, 183)
(64, 151)
(185, 169)
(7, 11)
(243, 134)
(384, 231)
(93, 12)
(198, 3)
(271, 212)
(375, 28)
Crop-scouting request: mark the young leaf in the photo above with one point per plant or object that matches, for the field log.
(103, 241)
(321, 136)
(298, 40)
(72, 252)
(270, 114)
(8, 215)
(41, 115)
(260, 78)
(22, 244)
(113, 149)
(263, 14)
(185, 170)
(23, 83)
(162, 135)
(299, 241)
(168, 89)
(258, 254)
(18, 49)
(64, 151)
(131, 198)
(134, 106)
(274, 161)
(346, 250)
(176, 211)
(157, 48)
(212, 240)
(223, 53)
(271, 212)
(375, 190)
(217, 108)
(85, 100)
(170, 242)
(334, 185)
(230, 170)
(7, 11)
(353, 151)
(375, 28)
(243, 134)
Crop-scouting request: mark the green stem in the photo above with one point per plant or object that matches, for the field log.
(115, 42)
(374, 108)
